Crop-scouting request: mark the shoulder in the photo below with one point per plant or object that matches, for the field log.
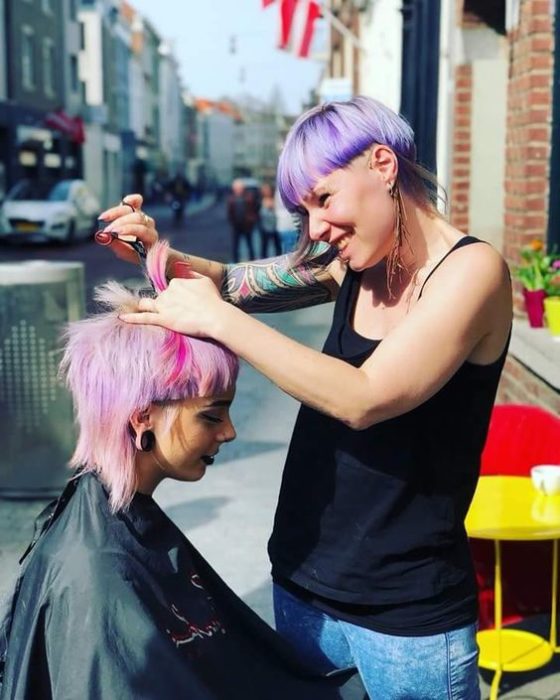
(80, 548)
(77, 565)
(472, 290)
(477, 267)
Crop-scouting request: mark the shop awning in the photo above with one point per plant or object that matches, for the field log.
(72, 127)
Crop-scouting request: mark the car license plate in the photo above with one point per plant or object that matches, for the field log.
(26, 226)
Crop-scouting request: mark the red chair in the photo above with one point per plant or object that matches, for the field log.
(519, 437)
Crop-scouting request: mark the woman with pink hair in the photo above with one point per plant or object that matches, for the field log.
(113, 601)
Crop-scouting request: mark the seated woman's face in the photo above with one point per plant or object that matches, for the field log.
(185, 450)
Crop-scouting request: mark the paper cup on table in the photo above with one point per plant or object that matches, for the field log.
(546, 478)
(546, 509)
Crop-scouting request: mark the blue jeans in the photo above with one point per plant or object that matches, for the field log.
(435, 667)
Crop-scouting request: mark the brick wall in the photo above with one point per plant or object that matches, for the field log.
(462, 114)
(528, 131)
(461, 172)
(527, 171)
(520, 385)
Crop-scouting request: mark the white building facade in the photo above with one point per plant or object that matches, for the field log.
(171, 123)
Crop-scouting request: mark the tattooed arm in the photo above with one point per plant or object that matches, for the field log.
(272, 284)
(277, 284)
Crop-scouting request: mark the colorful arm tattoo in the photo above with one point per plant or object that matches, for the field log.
(276, 284)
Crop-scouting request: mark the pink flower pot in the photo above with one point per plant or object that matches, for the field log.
(534, 304)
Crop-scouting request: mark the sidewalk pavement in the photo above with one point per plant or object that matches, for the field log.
(228, 514)
(162, 210)
(198, 205)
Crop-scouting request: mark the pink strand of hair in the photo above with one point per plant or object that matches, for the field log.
(156, 263)
(176, 347)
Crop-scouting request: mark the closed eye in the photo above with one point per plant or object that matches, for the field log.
(210, 418)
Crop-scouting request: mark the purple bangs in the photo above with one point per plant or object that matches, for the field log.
(114, 368)
(330, 136)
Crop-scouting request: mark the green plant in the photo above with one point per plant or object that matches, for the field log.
(538, 270)
(552, 283)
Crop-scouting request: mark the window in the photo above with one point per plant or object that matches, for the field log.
(47, 6)
(60, 192)
(28, 77)
(48, 67)
(74, 81)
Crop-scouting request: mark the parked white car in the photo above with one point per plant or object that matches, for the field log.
(65, 211)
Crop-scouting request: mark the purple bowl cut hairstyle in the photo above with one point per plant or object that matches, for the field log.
(331, 135)
(114, 368)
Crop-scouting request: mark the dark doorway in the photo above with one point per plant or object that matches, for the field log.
(420, 69)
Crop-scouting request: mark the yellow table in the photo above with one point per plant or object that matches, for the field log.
(510, 508)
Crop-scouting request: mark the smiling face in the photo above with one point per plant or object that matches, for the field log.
(183, 450)
(352, 210)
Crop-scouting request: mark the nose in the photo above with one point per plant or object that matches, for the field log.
(318, 227)
(228, 432)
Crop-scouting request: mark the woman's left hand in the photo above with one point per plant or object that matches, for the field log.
(191, 306)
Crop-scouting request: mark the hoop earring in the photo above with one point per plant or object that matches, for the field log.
(394, 264)
(147, 441)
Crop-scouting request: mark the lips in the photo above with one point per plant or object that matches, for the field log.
(342, 242)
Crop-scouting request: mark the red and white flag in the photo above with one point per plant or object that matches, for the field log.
(286, 10)
(297, 25)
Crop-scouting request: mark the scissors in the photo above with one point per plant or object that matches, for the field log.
(107, 237)
(132, 241)
(102, 237)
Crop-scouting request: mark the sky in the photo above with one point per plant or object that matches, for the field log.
(201, 31)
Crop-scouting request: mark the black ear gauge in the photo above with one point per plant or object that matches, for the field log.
(147, 441)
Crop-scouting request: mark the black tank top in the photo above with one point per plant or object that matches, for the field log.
(370, 524)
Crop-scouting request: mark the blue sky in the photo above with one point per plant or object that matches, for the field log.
(200, 31)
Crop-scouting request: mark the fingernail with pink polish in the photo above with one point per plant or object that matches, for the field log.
(103, 237)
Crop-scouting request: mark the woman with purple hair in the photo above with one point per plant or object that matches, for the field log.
(113, 601)
(369, 552)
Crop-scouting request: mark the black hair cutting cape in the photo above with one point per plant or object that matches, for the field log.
(123, 606)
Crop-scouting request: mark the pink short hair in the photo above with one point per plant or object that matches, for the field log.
(113, 368)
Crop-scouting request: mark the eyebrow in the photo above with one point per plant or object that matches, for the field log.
(218, 403)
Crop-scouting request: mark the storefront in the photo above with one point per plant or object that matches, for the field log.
(35, 144)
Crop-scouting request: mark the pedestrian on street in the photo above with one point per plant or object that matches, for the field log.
(242, 214)
(113, 601)
(179, 191)
(268, 229)
(369, 552)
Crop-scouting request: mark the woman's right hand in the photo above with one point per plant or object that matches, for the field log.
(123, 221)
